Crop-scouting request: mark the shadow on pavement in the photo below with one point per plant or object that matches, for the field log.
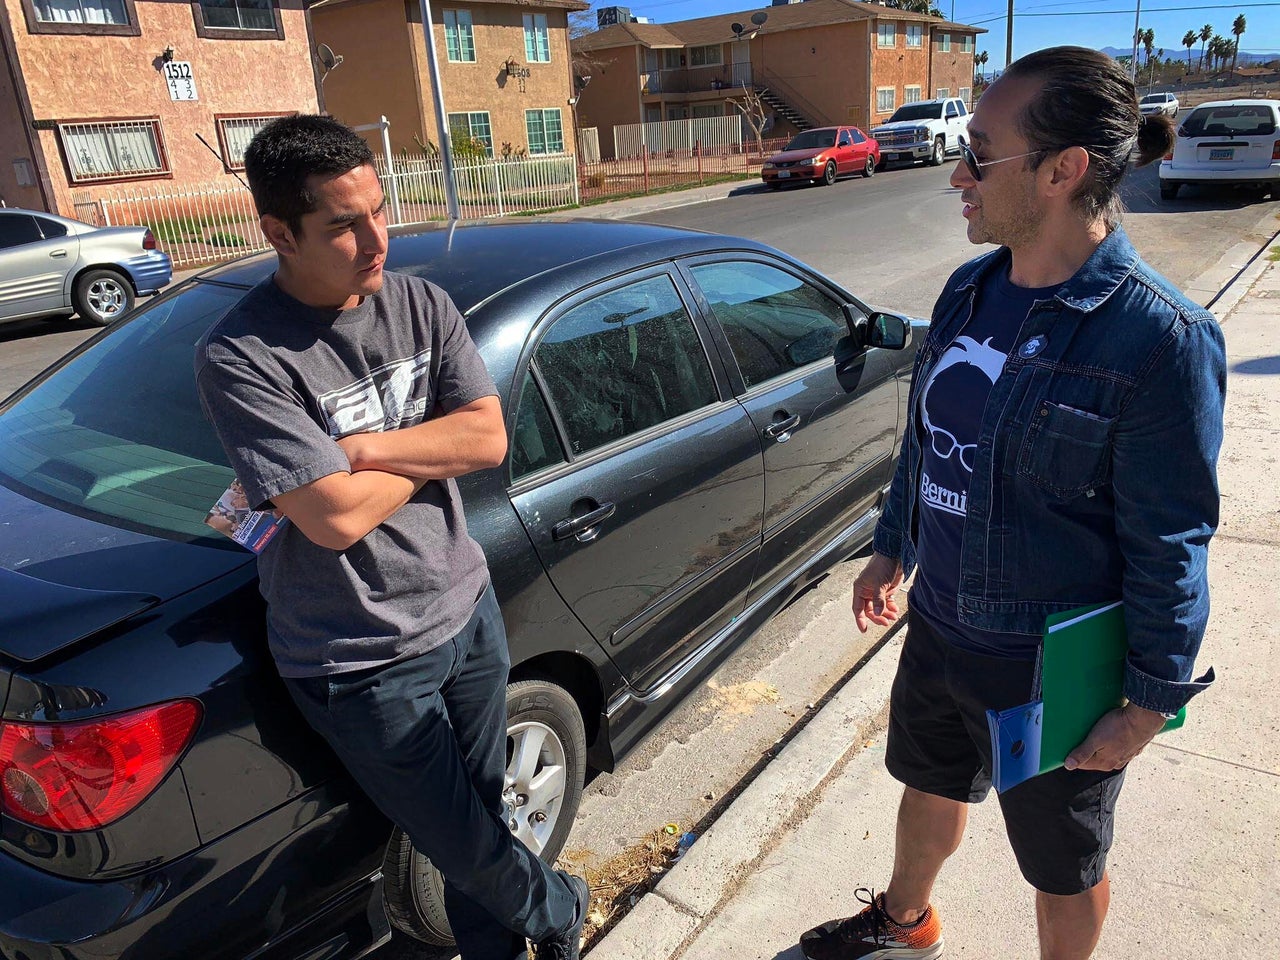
(1258, 367)
(38, 327)
(1141, 194)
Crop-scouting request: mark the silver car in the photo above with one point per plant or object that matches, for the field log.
(1165, 103)
(52, 265)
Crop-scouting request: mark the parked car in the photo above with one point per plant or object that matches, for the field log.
(821, 155)
(50, 265)
(926, 130)
(161, 797)
(1229, 142)
(1165, 103)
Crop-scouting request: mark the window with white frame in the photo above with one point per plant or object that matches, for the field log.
(942, 93)
(537, 39)
(474, 125)
(886, 34)
(886, 101)
(119, 150)
(82, 11)
(708, 56)
(459, 36)
(234, 134)
(238, 14)
(545, 131)
(915, 35)
(968, 43)
(912, 94)
(965, 94)
(944, 42)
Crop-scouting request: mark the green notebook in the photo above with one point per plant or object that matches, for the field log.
(1082, 677)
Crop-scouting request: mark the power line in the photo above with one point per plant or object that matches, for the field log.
(1108, 13)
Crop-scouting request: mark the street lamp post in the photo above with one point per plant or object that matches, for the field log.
(442, 118)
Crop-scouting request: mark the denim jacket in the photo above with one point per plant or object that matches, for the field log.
(1095, 474)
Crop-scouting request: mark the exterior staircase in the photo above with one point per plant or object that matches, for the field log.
(783, 108)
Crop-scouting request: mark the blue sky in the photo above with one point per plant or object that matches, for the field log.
(1089, 23)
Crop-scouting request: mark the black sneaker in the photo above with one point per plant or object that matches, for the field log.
(566, 946)
(874, 935)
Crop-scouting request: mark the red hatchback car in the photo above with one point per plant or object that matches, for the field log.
(821, 155)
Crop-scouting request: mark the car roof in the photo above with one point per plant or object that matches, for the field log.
(476, 260)
(1273, 104)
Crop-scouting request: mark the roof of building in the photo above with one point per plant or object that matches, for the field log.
(717, 29)
(575, 5)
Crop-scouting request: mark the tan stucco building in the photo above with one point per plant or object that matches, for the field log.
(816, 63)
(100, 94)
(505, 69)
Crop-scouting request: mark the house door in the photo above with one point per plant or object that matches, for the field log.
(741, 63)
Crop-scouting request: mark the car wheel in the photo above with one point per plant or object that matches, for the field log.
(1168, 191)
(101, 296)
(939, 152)
(869, 168)
(546, 767)
(829, 174)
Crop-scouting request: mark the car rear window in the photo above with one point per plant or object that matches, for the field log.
(116, 433)
(1235, 121)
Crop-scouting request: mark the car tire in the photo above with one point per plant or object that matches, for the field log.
(869, 168)
(102, 296)
(939, 152)
(828, 175)
(541, 716)
(1169, 191)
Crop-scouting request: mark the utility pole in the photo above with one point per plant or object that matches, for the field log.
(442, 118)
(1008, 41)
(1133, 66)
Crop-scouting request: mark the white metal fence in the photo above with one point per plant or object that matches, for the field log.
(205, 223)
(715, 134)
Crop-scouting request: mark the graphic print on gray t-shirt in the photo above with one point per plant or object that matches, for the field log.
(950, 413)
(280, 381)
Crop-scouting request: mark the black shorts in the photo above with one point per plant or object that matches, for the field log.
(1060, 823)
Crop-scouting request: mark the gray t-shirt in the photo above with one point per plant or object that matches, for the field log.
(280, 381)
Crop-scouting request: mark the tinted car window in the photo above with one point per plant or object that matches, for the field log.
(812, 140)
(857, 136)
(774, 321)
(623, 362)
(117, 432)
(917, 111)
(952, 111)
(533, 444)
(1229, 122)
(17, 229)
(51, 229)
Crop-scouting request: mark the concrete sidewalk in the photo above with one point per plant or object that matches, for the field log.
(1197, 855)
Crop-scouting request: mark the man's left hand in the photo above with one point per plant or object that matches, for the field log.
(1115, 739)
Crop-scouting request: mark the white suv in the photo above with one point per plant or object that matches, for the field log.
(1165, 103)
(1229, 141)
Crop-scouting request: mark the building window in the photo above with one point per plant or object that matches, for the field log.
(537, 39)
(238, 19)
(474, 128)
(117, 150)
(965, 94)
(459, 38)
(968, 43)
(672, 59)
(886, 34)
(104, 17)
(942, 93)
(707, 111)
(915, 35)
(235, 132)
(708, 56)
(886, 99)
(944, 42)
(546, 135)
(911, 94)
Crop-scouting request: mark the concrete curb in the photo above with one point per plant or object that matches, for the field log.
(692, 893)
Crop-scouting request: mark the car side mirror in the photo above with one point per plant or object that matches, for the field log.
(888, 331)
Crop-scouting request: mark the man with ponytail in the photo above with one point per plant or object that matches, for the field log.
(1065, 421)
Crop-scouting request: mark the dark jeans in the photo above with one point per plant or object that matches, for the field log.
(426, 740)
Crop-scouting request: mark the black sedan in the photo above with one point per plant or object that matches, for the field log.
(699, 427)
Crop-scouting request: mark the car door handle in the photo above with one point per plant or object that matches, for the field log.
(57, 253)
(580, 527)
(780, 430)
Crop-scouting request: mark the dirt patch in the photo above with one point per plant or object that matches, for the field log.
(739, 700)
(619, 883)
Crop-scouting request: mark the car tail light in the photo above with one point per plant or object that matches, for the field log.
(82, 776)
(148, 241)
(1275, 151)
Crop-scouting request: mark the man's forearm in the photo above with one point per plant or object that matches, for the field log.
(468, 439)
(341, 509)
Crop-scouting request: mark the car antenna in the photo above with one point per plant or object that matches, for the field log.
(219, 156)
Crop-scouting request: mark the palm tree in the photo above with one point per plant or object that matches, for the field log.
(1205, 33)
(1189, 41)
(1147, 38)
(980, 61)
(1237, 28)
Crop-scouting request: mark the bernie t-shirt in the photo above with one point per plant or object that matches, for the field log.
(281, 381)
(950, 415)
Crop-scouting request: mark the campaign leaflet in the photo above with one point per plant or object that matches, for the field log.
(232, 516)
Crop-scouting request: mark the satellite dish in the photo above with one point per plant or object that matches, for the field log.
(327, 57)
(736, 28)
(759, 17)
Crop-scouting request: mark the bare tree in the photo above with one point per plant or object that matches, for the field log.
(752, 109)
(582, 22)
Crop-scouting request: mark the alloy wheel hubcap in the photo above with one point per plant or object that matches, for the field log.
(537, 775)
(106, 298)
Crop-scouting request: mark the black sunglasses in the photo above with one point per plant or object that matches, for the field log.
(975, 165)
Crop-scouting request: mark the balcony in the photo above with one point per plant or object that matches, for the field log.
(696, 79)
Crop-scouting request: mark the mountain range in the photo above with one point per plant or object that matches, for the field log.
(1246, 59)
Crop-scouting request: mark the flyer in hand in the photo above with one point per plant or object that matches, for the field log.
(232, 516)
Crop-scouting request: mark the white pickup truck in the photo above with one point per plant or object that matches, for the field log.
(925, 130)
